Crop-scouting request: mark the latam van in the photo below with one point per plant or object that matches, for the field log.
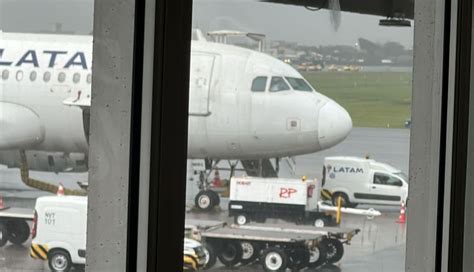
(364, 181)
(59, 231)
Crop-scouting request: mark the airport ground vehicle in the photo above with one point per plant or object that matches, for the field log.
(59, 231)
(14, 226)
(295, 200)
(276, 247)
(194, 255)
(361, 180)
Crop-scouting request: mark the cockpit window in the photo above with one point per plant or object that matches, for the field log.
(278, 84)
(259, 84)
(298, 84)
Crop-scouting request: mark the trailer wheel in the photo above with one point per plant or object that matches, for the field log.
(205, 200)
(335, 250)
(3, 234)
(18, 231)
(250, 252)
(318, 255)
(241, 219)
(230, 253)
(59, 260)
(211, 252)
(274, 259)
(299, 258)
(320, 222)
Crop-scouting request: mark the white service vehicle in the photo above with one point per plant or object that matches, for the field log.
(296, 200)
(360, 180)
(59, 231)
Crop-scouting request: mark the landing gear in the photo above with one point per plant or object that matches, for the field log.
(206, 200)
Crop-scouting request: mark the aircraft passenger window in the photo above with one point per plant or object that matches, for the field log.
(259, 84)
(19, 75)
(89, 78)
(76, 77)
(278, 84)
(5, 74)
(33, 76)
(61, 77)
(47, 76)
(299, 84)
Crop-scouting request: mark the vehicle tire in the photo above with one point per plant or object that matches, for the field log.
(241, 219)
(59, 260)
(230, 253)
(344, 201)
(250, 252)
(299, 258)
(317, 256)
(205, 200)
(274, 259)
(321, 222)
(210, 249)
(3, 234)
(18, 231)
(335, 250)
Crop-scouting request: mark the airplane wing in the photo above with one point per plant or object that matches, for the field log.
(388, 8)
(20, 127)
(82, 101)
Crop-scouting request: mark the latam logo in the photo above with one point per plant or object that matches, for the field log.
(30, 57)
(343, 169)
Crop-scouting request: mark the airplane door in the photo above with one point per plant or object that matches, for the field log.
(202, 66)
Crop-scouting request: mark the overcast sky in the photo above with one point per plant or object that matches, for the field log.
(278, 22)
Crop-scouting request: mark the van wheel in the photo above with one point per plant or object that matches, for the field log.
(59, 261)
(274, 259)
(3, 234)
(18, 230)
(205, 200)
(344, 200)
(230, 253)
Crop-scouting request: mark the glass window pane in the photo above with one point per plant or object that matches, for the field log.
(278, 84)
(33, 75)
(337, 133)
(259, 84)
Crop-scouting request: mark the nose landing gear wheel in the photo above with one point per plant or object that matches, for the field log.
(206, 200)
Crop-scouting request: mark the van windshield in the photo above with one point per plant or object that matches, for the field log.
(402, 175)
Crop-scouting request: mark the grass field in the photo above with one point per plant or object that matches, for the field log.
(373, 99)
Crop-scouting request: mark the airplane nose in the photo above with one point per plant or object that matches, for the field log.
(335, 123)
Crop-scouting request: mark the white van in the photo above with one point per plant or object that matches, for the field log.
(59, 231)
(360, 180)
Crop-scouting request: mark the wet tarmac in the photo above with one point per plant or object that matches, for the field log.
(380, 246)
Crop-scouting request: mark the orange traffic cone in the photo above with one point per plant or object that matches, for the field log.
(60, 191)
(217, 179)
(402, 218)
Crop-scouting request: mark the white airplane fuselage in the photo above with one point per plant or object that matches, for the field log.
(227, 120)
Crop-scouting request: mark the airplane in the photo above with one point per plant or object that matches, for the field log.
(243, 105)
